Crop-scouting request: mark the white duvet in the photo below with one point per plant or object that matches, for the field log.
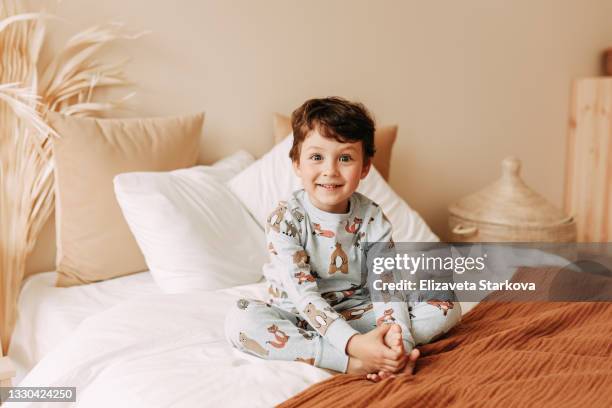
(163, 350)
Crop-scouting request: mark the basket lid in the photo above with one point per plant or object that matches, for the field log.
(509, 201)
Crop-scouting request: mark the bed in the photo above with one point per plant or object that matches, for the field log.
(157, 338)
(135, 346)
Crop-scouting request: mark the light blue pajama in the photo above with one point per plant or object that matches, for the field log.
(319, 296)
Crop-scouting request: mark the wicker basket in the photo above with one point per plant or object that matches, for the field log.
(509, 211)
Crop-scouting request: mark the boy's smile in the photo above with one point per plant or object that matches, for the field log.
(330, 171)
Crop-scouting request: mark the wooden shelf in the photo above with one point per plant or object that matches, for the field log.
(588, 181)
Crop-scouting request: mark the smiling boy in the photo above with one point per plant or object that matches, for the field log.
(321, 311)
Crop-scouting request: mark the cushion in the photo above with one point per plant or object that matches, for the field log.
(194, 233)
(271, 179)
(384, 138)
(94, 242)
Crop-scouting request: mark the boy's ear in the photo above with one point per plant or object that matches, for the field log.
(366, 169)
(296, 168)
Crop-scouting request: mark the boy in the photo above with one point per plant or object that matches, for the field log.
(320, 310)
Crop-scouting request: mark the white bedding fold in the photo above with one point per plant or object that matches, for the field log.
(167, 350)
(48, 314)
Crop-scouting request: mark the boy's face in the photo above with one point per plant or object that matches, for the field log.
(330, 171)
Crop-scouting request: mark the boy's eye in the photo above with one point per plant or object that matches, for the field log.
(316, 157)
(345, 158)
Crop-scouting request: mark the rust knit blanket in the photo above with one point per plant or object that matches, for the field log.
(502, 354)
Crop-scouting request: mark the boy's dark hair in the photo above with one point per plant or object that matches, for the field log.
(334, 118)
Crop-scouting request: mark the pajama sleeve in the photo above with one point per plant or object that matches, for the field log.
(394, 307)
(291, 262)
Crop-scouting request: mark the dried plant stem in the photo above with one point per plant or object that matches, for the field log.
(27, 92)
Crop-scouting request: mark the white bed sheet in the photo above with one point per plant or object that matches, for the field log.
(163, 350)
(123, 343)
(48, 314)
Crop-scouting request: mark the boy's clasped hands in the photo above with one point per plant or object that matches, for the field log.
(380, 353)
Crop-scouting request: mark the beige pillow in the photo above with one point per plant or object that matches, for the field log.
(93, 240)
(384, 138)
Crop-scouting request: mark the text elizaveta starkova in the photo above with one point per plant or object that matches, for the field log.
(431, 285)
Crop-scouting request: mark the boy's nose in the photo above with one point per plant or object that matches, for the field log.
(331, 169)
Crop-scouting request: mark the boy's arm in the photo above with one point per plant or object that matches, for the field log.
(291, 261)
(390, 307)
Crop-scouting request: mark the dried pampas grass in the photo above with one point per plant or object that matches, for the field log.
(27, 92)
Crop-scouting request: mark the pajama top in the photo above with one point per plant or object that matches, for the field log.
(316, 262)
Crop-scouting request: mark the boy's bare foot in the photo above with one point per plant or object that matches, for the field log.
(356, 366)
(393, 339)
(409, 369)
(395, 359)
(412, 358)
(381, 375)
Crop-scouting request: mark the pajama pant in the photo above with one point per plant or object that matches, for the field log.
(272, 333)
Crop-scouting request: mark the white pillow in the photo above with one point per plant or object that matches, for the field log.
(271, 179)
(194, 233)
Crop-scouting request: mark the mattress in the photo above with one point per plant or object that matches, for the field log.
(48, 314)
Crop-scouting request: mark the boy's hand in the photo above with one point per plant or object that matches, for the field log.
(373, 353)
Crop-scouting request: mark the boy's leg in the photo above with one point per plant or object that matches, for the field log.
(359, 313)
(431, 319)
(272, 333)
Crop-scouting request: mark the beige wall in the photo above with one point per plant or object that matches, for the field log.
(468, 82)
